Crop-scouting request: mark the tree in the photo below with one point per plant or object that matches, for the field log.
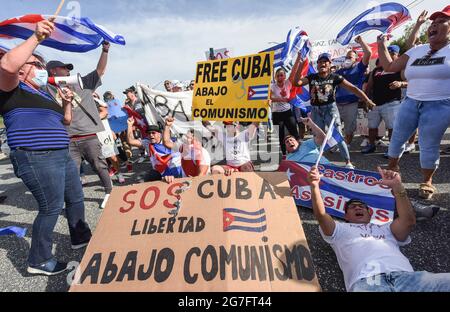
(401, 42)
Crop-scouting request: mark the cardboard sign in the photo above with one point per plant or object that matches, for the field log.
(239, 234)
(235, 89)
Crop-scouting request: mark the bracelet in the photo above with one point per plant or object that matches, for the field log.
(401, 194)
(105, 51)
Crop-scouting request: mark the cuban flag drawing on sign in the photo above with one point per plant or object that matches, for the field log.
(258, 93)
(71, 34)
(385, 18)
(240, 220)
(338, 185)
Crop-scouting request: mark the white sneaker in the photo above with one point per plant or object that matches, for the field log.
(105, 201)
(120, 178)
(410, 148)
(382, 143)
(365, 142)
(350, 166)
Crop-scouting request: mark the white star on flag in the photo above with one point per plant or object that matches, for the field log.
(289, 174)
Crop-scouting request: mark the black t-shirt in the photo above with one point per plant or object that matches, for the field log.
(382, 94)
(323, 90)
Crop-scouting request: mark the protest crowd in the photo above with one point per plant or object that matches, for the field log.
(52, 133)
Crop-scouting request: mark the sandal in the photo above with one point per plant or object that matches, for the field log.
(426, 191)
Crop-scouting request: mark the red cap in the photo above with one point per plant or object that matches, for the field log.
(444, 12)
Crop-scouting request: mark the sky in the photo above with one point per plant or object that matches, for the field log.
(165, 39)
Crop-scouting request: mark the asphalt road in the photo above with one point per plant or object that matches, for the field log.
(429, 250)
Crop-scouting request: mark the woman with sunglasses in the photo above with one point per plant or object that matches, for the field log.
(39, 142)
(427, 105)
(282, 115)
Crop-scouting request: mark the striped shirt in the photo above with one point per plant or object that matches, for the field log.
(33, 120)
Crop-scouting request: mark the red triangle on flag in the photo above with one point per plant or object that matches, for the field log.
(251, 93)
(228, 219)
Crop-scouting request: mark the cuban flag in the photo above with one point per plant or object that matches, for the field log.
(139, 121)
(339, 185)
(385, 18)
(71, 34)
(286, 53)
(258, 93)
(334, 138)
(241, 220)
(165, 161)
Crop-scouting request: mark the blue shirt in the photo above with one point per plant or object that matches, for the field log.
(307, 153)
(354, 75)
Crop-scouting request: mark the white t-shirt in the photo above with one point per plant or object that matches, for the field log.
(237, 149)
(365, 250)
(428, 80)
(279, 107)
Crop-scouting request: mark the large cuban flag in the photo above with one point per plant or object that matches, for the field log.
(385, 18)
(71, 34)
(338, 186)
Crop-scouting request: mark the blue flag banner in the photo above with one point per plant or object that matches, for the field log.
(71, 34)
(13, 230)
(338, 186)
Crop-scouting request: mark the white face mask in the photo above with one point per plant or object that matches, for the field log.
(347, 64)
(40, 77)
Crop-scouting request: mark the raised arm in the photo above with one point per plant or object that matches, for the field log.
(326, 222)
(415, 33)
(130, 136)
(103, 61)
(356, 91)
(406, 220)
(367, 50)
(13, 61)
(167, 140)
(385, 59)
(319, 135)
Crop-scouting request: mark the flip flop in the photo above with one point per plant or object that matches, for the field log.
(426, 191)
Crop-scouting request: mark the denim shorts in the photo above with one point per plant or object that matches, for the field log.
(386, 112)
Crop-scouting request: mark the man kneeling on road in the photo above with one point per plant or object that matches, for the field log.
(369, 254)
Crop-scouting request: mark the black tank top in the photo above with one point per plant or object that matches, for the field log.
(382, 94)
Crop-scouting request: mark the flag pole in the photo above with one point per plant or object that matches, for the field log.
(329, 135)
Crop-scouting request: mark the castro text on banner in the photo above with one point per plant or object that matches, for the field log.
(235, 89)
(339, 185)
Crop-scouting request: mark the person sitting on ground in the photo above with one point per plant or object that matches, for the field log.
(165, 162)
(368, 254)
(306, 151)
(195, 160)
(237, 151)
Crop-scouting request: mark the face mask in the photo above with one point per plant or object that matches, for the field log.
(41, 77)
(347, 64)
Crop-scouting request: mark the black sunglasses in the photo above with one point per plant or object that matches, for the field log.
(38, 65)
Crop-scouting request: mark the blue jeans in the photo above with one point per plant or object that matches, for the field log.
(432, 118)
(322, 117)
(52, 178)
(404, 282)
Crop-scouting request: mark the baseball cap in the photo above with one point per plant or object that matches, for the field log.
(130, 89)
(445, 12)
(324, 56)
(154, 128)
(55, 64)
(354, 201)
(394, 49)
